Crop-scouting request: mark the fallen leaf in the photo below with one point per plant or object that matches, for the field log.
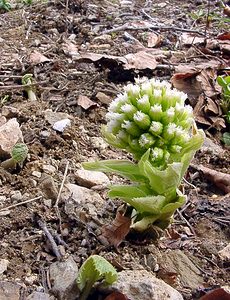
(70, 49)
(153, 39)
(116, 296)
(85, 102)
(140, 60)
(187, 83)
(225, 46)
(37, 58)
(115, 232)
(191, 39)
(221, 180)
(217, 294)
(211, 107)
(224, 36)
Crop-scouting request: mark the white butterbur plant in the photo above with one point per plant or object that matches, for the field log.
(151, 121)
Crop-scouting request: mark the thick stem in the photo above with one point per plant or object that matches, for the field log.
(86, 291)
(9, 164)
(31, 95)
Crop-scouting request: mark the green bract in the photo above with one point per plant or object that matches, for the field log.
(151, 121)
(95, 268)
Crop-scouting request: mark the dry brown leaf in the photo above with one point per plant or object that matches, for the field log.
(153, 39)
(140, 60)
(37, 58)
(211, 107)
(188, 38)
(187, 83)
(217, 294)
(85, 102)
(115, 232)
(217, 122)
(221, 180)
(116, 296)
(225, 46)
(224, 36)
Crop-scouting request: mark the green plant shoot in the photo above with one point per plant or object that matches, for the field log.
(27, 81)
(151, 121)
(18, 155)
(95, 268)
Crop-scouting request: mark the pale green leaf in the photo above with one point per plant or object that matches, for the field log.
(150, 204)
(93, 269)
(122, 167)
(129, 191)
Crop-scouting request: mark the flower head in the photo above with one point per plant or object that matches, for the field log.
(151, 114)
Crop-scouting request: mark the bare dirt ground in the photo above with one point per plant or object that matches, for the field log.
(57, 42)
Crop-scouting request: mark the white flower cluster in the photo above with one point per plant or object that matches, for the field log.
(150, 114)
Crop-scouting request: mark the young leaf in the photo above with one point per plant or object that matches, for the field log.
(93, 269)
(161, 181)
(150, 205)
(226, 138)
(122, 167)
(129, 191)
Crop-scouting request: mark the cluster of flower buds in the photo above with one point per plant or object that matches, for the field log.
(150, 114)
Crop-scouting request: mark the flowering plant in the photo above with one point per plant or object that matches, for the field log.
(151, 121)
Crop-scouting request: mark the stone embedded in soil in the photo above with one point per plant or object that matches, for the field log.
(90, 178)
(10, 134)
(175, 261)
(103, 98)
(3, 265)
(53, 117)
(63, 279)
(143, 285)
(98, 143)
(210, 147)
(10, 290)
(82, 203)
(61, 125)
(9, 111)
(39, 296)
(225, 253)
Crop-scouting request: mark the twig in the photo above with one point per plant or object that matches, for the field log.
(62, 184)
(4, 87)
(207, 19)
(50, 238)
(21, 203)
(59, 195)
(129, 27)
(186, 221)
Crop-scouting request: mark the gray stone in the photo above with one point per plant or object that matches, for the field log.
(210, 147)
(103, 98)
(3, 265)
(91, 178)
(143, 285)
(53, 117)
(63, 279)
(38, 296)
(61, 125)
(99, 143)
(16, 196)
(82, 203)
(176, 261)
(9, 290)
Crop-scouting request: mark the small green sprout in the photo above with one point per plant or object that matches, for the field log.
(95, 268)
(5, 5)
(27, 81)
(224, 82)
(18, 155)
(151, 121)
